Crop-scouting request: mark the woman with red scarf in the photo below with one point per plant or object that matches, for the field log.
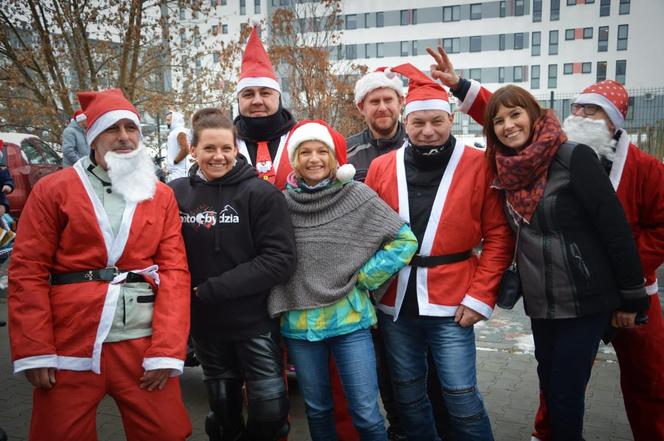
(578, 264)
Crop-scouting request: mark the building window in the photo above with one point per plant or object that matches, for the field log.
(501, 74)
(405, 45)
(621, 71)
(215, 57)
(367, 50)
(603, 39)
(604, 8)
(519, 8)
(183, 13)
(501, 42)
(553, 76)
(243, 7)
(518, 74)
(380, 19)
(213, 3)
(351, 21)
(624, 7)
(224, 29)
(586, 68)
(414, 44)
(518, 40)
(588, 2)
(587, 33)
(257, 6)
(569, 34)
(476, 11)
(476, 74)
(537, 11)
(451, 13)
(555, 10)
(537, 44)
(351, 51)
(571, 2)
(451, 45)
(215, 29)
(568, 68)
(622, 37)
(601, 71)
(535, 76)
(503, 8)
(380, 50)
(553, 42)
(475, 44)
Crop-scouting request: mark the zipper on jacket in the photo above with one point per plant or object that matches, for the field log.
(578, 259)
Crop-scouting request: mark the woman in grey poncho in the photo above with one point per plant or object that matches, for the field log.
(349, 242)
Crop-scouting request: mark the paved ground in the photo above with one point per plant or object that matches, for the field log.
(506, 374)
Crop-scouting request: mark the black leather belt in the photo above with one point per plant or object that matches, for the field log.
(104, 274)
(430, 261)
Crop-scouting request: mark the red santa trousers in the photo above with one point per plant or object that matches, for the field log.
(640, 354)
(68, 411)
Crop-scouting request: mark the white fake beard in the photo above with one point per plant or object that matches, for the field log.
(132, 174)
(592, 132)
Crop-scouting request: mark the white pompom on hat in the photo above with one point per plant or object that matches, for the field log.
(381, 77)
(318, 130)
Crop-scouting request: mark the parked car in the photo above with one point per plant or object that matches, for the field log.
(28, 159)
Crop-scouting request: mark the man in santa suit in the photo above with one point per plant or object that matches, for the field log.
(597, 120)
(99, 288)
(263, 123)
(442, 188)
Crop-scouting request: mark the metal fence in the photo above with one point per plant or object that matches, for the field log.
(644, 122)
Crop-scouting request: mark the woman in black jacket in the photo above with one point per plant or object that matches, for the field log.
(577, 260)
(239, 243)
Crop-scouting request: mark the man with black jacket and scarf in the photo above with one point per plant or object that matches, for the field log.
(263, 124)
(379, 98)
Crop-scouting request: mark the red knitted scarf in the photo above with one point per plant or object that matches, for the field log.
(524, 175)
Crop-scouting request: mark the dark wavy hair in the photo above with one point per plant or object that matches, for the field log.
(508, 96)
(210, 118)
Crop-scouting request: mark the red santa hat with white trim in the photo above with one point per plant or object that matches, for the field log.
(256, 70)
(376, 80)
(423, 92)
(105, 108)
(611, 96)
(319, 130)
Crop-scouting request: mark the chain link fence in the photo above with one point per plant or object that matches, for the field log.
(644, 122)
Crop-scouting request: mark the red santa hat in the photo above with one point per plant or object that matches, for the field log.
(318, 130)
(375, 80)
(78, 116)
(611, 96)
(103, 109)
(423, 92)
(256, 70)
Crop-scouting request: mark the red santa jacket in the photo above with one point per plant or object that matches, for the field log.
(281, 163)
(638, 179)
(465, 213)
(63, 229)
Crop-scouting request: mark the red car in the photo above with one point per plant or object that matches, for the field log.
(28, 159)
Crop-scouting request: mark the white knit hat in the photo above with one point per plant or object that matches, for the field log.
(381, 77)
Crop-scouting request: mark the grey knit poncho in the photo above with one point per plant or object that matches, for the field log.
(336, 231)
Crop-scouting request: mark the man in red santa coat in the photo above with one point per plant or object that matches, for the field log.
(99, 288)
(597, 119)
(443, 189)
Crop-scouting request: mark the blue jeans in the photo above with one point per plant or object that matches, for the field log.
(355, 360)
(453, 350)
